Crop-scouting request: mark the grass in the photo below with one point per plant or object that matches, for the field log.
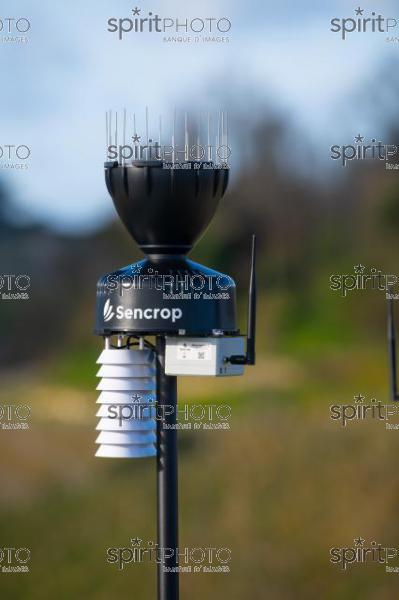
(281, 488)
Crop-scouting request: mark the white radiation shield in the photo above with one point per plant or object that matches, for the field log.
(127, 425)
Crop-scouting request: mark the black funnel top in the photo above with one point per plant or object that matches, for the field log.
(166, 210)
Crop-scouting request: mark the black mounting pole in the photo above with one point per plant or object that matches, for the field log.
(167, 479)
(252, 306)
(392, 350)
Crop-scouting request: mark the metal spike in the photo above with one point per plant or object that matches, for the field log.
(106, 135)
(209, 137)
(185, 137)
(134, 134)
(217, 139)
(116, 129)
(146, 131)
(160, 136)
(227, 135)
(124, 131)
(221, 139)
(174, 137)
(199, 130)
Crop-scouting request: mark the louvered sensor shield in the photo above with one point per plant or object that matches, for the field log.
(126, 413)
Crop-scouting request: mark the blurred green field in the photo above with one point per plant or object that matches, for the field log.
(280, 488)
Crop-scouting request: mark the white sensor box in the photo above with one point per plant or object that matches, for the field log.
(203, 356)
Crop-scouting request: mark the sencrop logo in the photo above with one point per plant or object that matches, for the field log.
(360, 150)
(172, 29)
(14, 416)
(14, 560)
(108, 311)
(362, 410)
(190, 560)
(376, 280)
(361, 553)
(14, 157)
(167, 314)
(13, 30)
(14, 286)
(363, 23)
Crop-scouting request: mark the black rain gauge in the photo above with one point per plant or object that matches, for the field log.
(166, 196)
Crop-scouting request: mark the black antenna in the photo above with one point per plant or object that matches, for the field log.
(249, 358)
(252, 307)
(392, 349)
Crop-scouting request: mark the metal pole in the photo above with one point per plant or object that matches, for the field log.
(392, 351)
(167, 475)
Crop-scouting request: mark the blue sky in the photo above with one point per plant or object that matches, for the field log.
(57, 87)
